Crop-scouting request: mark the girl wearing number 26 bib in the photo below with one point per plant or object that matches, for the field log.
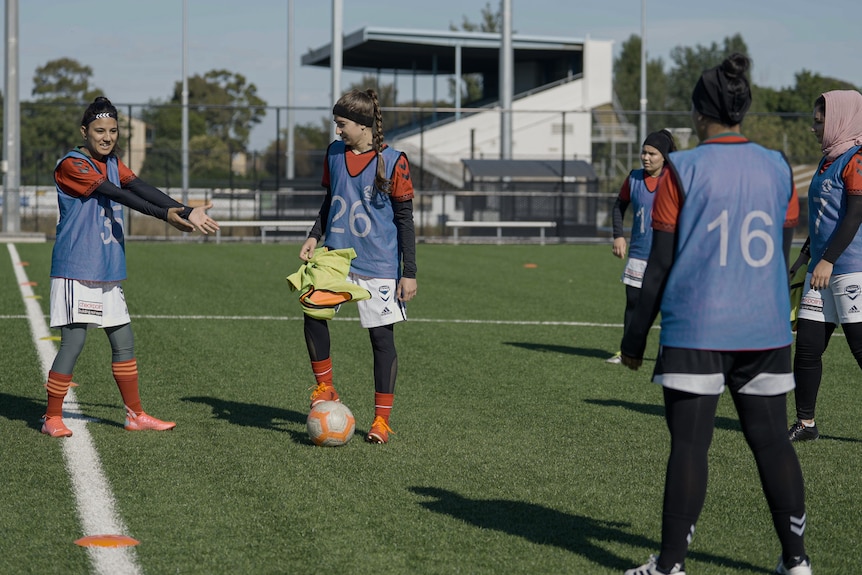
(368, 207)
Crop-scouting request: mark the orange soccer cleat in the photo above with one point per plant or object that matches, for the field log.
(380, 431)
(323, 392)
(55, 427)
(143, 422)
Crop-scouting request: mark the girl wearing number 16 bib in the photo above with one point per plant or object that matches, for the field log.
(368, 207)
(722, 228)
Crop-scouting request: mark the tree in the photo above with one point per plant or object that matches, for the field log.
(210, 156)
(230, 107)
(689, 64)
(222, 106)
(627, 78)
(781, 119)
(473, 84)
(63, 80)
(310, 141)
(491, 21)
(61, 90)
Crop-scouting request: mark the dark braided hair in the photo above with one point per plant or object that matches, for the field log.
(363, 108)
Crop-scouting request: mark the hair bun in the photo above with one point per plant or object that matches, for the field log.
(735, 65)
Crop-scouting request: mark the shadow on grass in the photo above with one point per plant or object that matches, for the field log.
(566, 349)
(255, 415)
(30, 411)
(726, 423)
(545, 526)
(836, 438)
(26, 409)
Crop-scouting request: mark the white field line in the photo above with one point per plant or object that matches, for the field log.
(95, 503)
(412, 320)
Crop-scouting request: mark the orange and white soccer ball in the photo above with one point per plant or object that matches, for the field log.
(330, 423)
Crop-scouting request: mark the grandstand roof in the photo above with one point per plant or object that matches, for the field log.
(390, 49)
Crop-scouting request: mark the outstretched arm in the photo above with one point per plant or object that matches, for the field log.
(197, 216)
(154, 195)
(137, 203)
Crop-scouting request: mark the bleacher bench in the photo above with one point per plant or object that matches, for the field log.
(265, 226)
(542, 226)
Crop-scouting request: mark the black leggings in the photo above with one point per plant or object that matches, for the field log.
(691, 419)
(632, 295)
(317, 340)
(812, 339)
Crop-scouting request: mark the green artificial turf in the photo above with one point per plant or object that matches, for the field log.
(516, 448)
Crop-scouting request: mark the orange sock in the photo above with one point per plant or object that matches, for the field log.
(322, 370)
(126, 376)
(58, 385)
(383, 405)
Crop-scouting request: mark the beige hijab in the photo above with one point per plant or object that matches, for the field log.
(843, 126)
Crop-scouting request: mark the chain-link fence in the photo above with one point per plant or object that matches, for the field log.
(249, 180)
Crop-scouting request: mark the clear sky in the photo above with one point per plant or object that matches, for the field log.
(135, 47)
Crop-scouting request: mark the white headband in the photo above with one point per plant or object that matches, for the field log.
(102, 115)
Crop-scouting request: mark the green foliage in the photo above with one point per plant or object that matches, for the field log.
(310, 141)
(491, 20)
(472, 85)
(230, 107)
(688, 63)
(627, 84)
(63, 80)
(778, 119)
(516, 448)
(223, 108)
(49, 123)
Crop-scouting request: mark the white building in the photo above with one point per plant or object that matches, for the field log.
(558, 83)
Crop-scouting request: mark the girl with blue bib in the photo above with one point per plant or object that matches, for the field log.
(722, 229)
(832, 293)
(638, 189)
(88, 263)
(368, 207)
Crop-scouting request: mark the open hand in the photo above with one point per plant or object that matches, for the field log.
(201, 221)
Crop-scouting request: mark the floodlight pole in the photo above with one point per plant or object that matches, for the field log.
(289, 160)
(185, 103)
(643, 102)
(12, 127)
(335, 56)
(506, 81)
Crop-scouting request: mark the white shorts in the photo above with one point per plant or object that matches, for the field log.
(101, 304)
(839, 303)
(383, 308)
(633, 275)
